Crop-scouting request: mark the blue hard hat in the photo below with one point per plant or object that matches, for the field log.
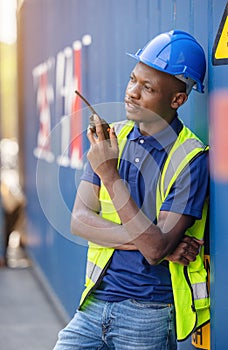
(176, 53)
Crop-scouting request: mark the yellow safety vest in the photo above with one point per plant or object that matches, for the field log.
(191, 298)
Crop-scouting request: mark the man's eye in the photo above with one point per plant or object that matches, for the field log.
(148, 87)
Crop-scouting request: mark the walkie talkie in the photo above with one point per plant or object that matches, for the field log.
(105, 125)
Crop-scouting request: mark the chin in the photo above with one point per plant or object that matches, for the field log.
(133, 117)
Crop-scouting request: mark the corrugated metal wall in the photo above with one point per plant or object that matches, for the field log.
(98, 33)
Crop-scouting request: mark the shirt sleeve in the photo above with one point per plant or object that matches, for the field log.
(188, 193)
(90, 176)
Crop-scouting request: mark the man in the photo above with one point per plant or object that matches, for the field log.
(141, 203)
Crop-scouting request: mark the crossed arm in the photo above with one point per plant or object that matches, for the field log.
(87, 223)
(165, 240)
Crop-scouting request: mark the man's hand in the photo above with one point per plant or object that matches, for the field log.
(186, 251)
(103, 153)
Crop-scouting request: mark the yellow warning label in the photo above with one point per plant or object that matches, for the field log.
(201, 338)
(220, 48)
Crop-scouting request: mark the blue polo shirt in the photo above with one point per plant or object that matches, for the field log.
(129, 274)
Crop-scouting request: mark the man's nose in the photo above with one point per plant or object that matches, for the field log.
(133, 91)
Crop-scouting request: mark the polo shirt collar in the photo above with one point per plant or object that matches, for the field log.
(163, 138)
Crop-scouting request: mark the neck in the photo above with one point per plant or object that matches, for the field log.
(155, 126)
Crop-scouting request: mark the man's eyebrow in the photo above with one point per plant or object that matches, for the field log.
(146, 80)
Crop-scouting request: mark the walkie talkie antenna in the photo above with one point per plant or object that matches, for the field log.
(105, 126)
(86, 102)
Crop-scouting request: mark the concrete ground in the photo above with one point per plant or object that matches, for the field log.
(28, 319)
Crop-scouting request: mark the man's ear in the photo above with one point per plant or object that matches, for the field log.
(179, 99)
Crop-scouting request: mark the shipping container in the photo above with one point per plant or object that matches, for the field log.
(73, 44)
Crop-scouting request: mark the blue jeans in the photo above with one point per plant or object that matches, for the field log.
(125, 325)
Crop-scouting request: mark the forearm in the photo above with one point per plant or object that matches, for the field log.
(92, 227)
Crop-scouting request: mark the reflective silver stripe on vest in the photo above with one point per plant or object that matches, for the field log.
(179, 154)
(199, 290)
(93, 271)
(119, 125)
